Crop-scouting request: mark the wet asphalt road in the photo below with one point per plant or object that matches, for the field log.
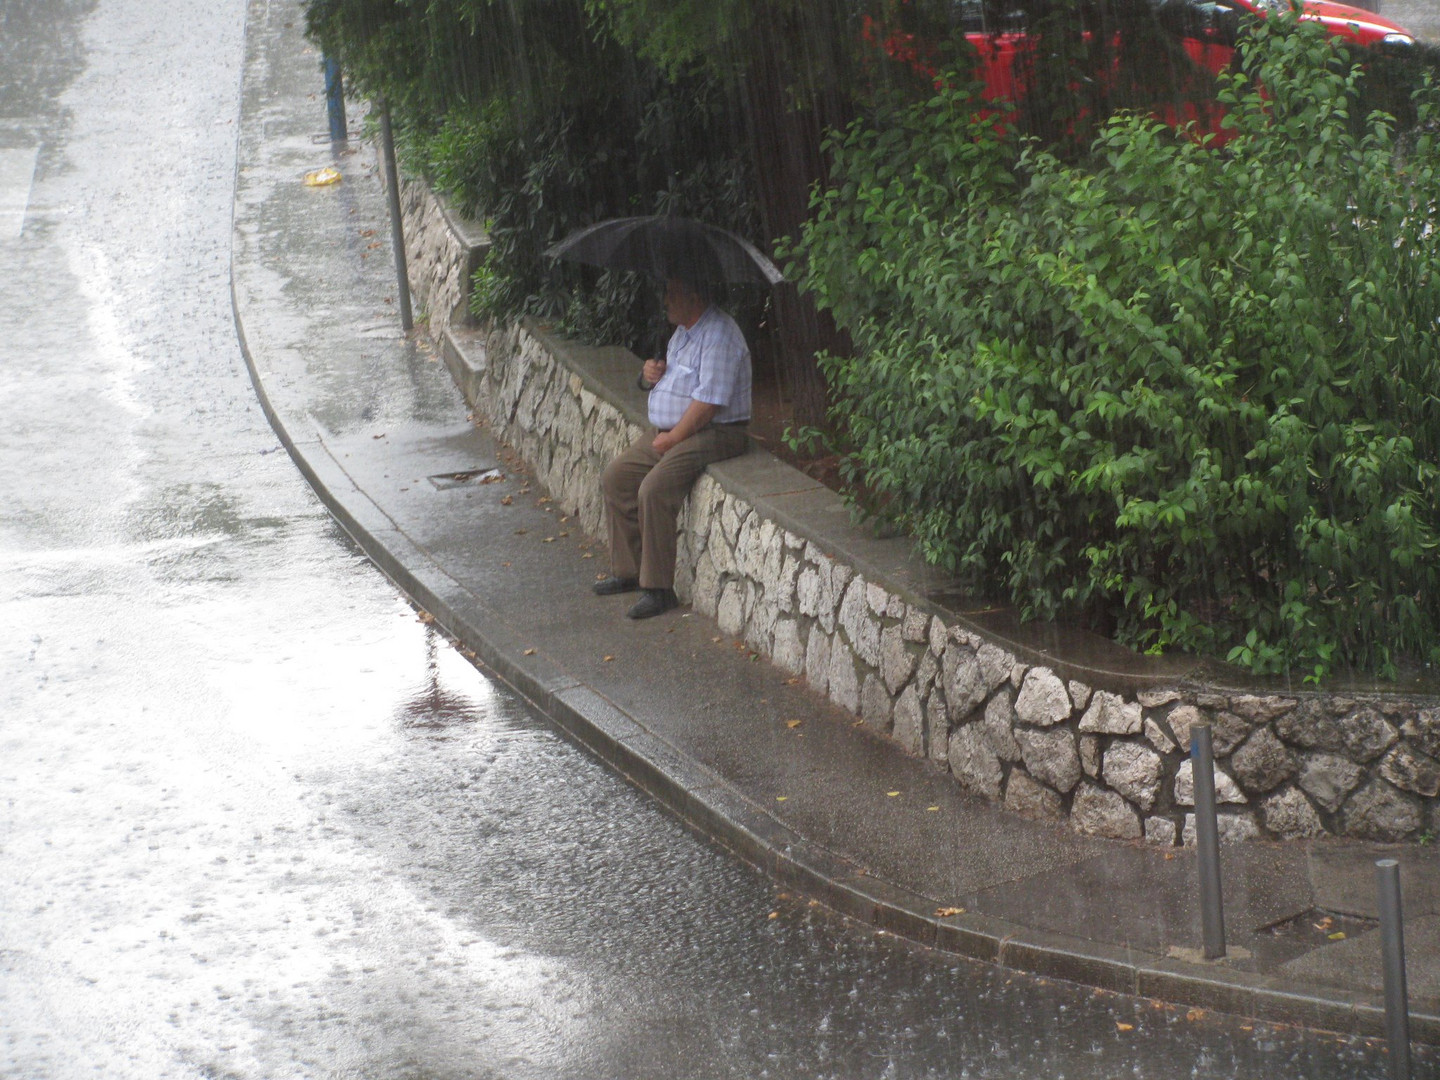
(258, 821)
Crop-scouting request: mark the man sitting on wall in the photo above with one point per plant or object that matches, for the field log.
(699, 409)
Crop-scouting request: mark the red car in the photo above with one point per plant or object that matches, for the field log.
(1205, 29)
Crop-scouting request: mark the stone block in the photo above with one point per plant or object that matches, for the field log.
(706, 590)
(973, 763)
(999, 724)
(1155, 699)
(808, 590)
(1260, 710)
(817, 660)
(1232, 825)
(895, 609)
(1263, 763)
(909, 729)
(1026, 796)
(1289, 815)
(1361, 735)
(876, 707)
(937, 726)
(784, 584)
(1379, 811)
(964, 682)
(860, 626)
(730, 613)
(1328, 778)
(1043, 700)
(1097, 812)
(1110, 714)
(1090, 755)
(916, 626)
(1410, 771)
(844, 682)
(877, 599)
(897, 663)
(995, 665)
(939, 637)
(1079, 693)
(1226, 790)
(1179, 722)
(1162, 831)
(1227, 731)
(1423, 730)
(788, 653)
(1158, 737)
(1050, 755)
(1135, 771)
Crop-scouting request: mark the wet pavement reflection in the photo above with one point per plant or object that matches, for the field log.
(257, 819)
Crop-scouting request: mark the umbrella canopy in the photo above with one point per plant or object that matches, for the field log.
(668, 246)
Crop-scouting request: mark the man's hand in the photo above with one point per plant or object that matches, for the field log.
(653, 370)
(697, 415)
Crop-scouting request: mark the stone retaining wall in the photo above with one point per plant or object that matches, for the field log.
(1008, 728)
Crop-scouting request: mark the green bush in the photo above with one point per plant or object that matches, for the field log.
(1185, 393)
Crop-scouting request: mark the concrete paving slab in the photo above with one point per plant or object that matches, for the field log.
(1354, 963)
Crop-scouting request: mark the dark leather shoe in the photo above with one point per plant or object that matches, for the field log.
(654, 602)
(611, 585)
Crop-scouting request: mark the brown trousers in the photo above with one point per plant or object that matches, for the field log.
(644, 492)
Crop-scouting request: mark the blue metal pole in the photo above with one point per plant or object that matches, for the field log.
(335, 100)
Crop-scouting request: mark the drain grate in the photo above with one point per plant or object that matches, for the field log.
(485, 474)
(1317, 927)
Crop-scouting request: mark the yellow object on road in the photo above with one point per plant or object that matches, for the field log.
(321, 177)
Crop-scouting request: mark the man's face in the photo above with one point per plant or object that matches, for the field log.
(682, 307)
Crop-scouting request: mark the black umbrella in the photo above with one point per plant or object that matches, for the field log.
(668, 246)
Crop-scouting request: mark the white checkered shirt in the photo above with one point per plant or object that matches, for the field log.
(709, 362)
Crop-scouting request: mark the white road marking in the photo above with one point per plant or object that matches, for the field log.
(17, 173)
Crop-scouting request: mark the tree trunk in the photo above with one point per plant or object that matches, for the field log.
(786, 123)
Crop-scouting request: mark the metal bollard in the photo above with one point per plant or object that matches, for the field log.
(1207, 842)
(335, 100)
(1392, 950)
(397, 230)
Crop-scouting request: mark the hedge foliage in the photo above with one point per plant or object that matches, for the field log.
(1187, 393)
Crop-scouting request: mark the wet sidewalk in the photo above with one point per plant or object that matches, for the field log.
(740, 751)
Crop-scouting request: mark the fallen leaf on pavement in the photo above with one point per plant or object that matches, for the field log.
(425, 617)
(587, 555)
(932, 809)
(946, 912)
(608, 659)
(1124, 1027)
(521, 532)
(858, 723)
(776, 914)
(531, 652)
(551, 540)
(507, 500)
(1339, 935)
(797, 723)
(1195, 1014)
(892, 794)
(492, 478)
(380, 436)
(792, 682)
(782, 798)
(322, 177)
